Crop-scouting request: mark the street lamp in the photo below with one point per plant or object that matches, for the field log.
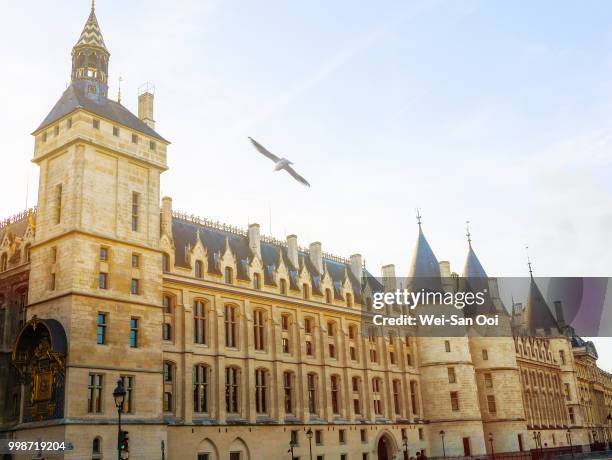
(405, 444)
(491, 441)
(119, 395)
(442, 433)
(309, 436)
(569, 440)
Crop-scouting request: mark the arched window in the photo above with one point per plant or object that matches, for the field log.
(259, 329)
(199, 322)
(165, 262)
(3, 263)
(311, 381)
(231, 390)
(231, 326)
(328, 295)
(200, 388)
(335, 394)
(229, 275)
(256, 281)
(349, 300)
(199, 269)
(261, 391)
(288, 391)
(96, 449)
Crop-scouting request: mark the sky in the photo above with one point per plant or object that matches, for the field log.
(495, 112)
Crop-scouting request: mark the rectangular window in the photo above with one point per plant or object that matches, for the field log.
(285, 344)
(294, 438)
(134, 332)
(134, 139)
(168, 401)
(200, 389)
(491, 404)
(309, 348)
(135, 261)
(230, 327)
(447, 347)
(135, 204)
(409, 360)
(115, 131)
(69, 123)
(152, 145)
(103, 254)
(485, 355)
(235, 456)
(285, 322)
(96, 123)
(52, 282)
(335, 394)
(44, 136)
(199, 322)
(488, 380)
(414, 397)
(566, 390)
(53, 254)
(342, 436)
(312, 393)
(94, 394)
(58, 203)
(562, 356)
(128, 384)
(167, 331)
(258, 330)
(288, 387)
(391, 357)
(451, 375)
(421, 434)
(56, 130)
(397, 406)
(353, 353)
(135, 286)
(231, 390)
(332, 351)
(101, 336)
(103, 280)
(364, 435)
(319, 437)
(454, 397)
(203, 457)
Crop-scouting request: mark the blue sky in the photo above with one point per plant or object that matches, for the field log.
(493, 112)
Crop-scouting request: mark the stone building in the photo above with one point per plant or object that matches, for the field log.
(232, 344)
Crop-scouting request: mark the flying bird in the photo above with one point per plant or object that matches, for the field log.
(279, 163)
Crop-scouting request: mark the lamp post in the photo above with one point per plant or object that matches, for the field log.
(442, 433)
(491, 442)
(309, 436)
(292, 445)
(569, 440)
(119, 395)
(405, 444)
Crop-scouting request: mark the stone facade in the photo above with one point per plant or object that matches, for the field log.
(232, 343)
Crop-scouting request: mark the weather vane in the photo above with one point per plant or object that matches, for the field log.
(528, 261)
(418, 216)
(468, 233)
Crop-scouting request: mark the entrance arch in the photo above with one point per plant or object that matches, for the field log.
(386, 447)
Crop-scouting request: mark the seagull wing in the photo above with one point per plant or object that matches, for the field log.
(264, 151)
(296, 176)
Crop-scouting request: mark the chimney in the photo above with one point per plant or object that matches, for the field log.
(166, 216)
(292, 251)
(254, 239)
(559, 314)
(145, 105)
(388, 274)
(357, 266)
(316, 256)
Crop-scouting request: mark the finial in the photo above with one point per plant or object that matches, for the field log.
(468, 233)
(119, 92)
(529, 261)
(418, 216)
(93, 5)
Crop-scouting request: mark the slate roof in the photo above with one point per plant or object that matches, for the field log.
(91, 34)
(537, 313)
(424, 270)
(75, 98)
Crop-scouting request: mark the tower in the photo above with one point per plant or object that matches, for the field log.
(96, 267)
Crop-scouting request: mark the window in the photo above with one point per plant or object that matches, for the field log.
(152, 145)
(51, 281)
(135, 261)
(69, 123)
(258, 330)
(356, 396)
(488, 380)
(294, 437)
(204, 456)
(485, 355)
(53, 254)
(331, 329)
(167, 304)
(373, 355)
(353, 353)
(199, 322)
(309, 348)
(56, 130)
(103, 280)
(135, 286)
(285, 345)
(414, 396)
(572, 417)
(58, 203)
(342, 436)
(200, 389)
(305, 291)
(103, 254)
(231, 328)
(235, 456)
(451, 375)
(27, 253)
(285, 322)
(199, 269)
(447, 347)
(397, 389)
(256, 281)
(409, 359)
(231, 390)
(392, 357)
(94, 391)
(332, 351)
(421, 434)
(134, 333)
(101, 335)
(562, 356)
(4, 263)
(566, 390)
(454, 397)
(376, 384)
(349, 300)
(308, 325)
(135, 204)
(134, 138)
(96, 449)
(288, 389)
(312, 393)
(168, 371)
(283, 286)
(165, 262)
(491, 404)
(44, 136)
(115, 131)
(363, 435)
(319, 437)
(167, 331)
(261, 391)
(328, 296)
(168, 403)
(96, 123)
(335, 394)
(128, 384)
(229, 275)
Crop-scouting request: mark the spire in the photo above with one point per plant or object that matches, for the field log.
(538, 316)
(472, 268)
(424, 265)
(90, 59)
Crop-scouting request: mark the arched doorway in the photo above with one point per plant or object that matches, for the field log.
(385, 448)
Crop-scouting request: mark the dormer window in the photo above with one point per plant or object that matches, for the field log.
(228, 275)
(96, 124)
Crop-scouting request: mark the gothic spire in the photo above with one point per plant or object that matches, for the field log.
(424, 263)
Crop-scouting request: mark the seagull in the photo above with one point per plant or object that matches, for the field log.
(279, 163)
